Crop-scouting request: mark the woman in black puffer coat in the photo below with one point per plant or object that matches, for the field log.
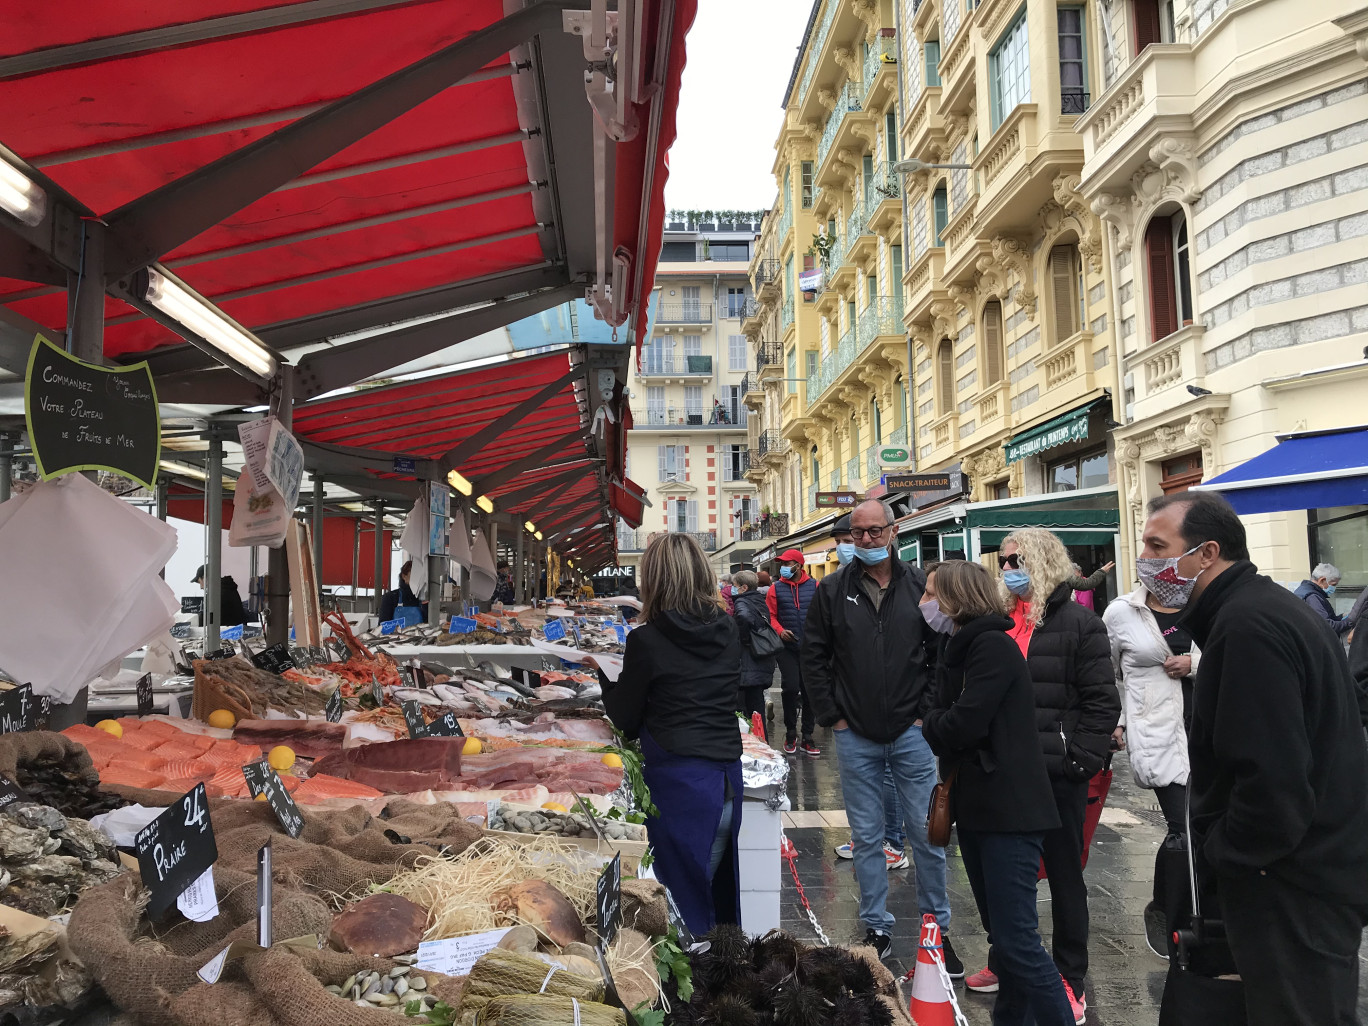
(1077, 708)
(757, 673)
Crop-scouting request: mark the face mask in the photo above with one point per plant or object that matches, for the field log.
(1161, 579)
(935, 619)
(1018, 581)
(786, 572)
(871, 556)
(845, 552)
(1330, 588)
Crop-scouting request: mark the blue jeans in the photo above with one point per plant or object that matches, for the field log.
(1002, 872)
(863, 765)
(893, 824)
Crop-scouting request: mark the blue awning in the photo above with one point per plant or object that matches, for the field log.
(1306, 470)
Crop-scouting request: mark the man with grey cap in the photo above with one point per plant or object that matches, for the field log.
(1316, 593)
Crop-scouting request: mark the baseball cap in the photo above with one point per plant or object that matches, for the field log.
(199, 574)
(842, 526)
(792, 556)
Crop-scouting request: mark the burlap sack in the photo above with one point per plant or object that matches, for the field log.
(230, 1002)
(43, 747)
(638, 983)
(141, 970)
(644, 908)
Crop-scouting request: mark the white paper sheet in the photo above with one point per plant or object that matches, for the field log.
(199, 902)
(455, 956)
(610, 664)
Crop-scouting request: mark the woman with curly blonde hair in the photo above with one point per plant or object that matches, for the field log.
(1077, 708)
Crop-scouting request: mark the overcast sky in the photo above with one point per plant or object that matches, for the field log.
(740, 56)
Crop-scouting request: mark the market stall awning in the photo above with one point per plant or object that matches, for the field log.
(1305, 470)
(1067, 427)
(325, 167)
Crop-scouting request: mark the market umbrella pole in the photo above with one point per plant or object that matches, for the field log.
(277, 560)
(318, 535)
(379, 556)
(213, 542)
(519, 567)
(437, 575)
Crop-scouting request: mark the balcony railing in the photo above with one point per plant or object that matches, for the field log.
(750, 308)
(768, 354)
(883, 315)
(736, 306)
(766, 271)
(886, 184)
(815, 47)
(887, 46)
(872, 464)
(836, 362)
(659, 364)
(708, 539)
(684, 313)
(812, 497)
(854, 228)
(786, 317)
(770, 442)
(771, 525)
(852, 472)
(849, 100)
(690, 416)
(898, 436)
(785, 225)
(1073, 101)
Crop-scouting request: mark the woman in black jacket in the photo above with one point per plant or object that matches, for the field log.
(982, 726)
(1077, 708)
(757, 672)
(678, 693)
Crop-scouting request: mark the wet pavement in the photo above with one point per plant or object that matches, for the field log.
(1125, 979)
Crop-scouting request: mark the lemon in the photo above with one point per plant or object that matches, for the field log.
(223, 718)
(261, 797)
(612, 760)
(554, 807)
(111, 727)
(472, 746)
(282, 757)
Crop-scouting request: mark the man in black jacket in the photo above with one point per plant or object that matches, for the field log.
(865, 665)
(1279, 780)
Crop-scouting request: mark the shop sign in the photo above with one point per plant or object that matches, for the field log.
(895, 456)
(810, 281)
(404, 465)
(924, 489)
(175, 849)
(837, 500)
(81, 416)
(1072, 427)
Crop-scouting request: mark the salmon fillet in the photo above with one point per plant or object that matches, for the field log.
(320, 787)
(131, 776)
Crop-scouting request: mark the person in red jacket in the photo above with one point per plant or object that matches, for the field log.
(788, 600)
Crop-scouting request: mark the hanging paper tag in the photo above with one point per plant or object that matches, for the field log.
(198, 902)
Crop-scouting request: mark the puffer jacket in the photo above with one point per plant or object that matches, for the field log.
(751, 613)
(1152, 700)
(1077, 704)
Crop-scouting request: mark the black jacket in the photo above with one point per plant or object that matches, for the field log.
(1358, 665)
(871, 669)
(679, 682)
(751, 612)
(1315, 597)
(1279, 771)
(1077, 704)
(983, 722)
(231, 610)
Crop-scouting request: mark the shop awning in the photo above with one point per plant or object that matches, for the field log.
(1067, 427)
(952, 542)
(908, 548)
(1305, 470)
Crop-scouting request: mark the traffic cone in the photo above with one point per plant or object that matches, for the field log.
(933, 1003)
(758, 727)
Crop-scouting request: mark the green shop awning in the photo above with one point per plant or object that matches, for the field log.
(908, 548)
(952, 542)
(1046, 515)
(1068, 427)
(989, 540)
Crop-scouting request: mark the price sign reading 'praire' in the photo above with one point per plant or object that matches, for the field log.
(84, 417)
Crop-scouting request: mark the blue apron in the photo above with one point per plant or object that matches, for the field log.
(690, 794)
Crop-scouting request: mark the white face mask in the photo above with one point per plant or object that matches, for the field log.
(1161, 578)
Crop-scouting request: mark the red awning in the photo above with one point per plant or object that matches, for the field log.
(629, 502)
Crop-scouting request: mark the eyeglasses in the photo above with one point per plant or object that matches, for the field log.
(1014, 561)
(873, 533)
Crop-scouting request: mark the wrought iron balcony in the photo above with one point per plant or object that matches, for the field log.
(636, 541)
(708, 539)
(1073, 101)
(852, 471)
(885, 52)
(849, 100)
(735, 470)
(766, 271)
(814, 50)
(770, 442)
(787, 317)
(771, 525)
(768, 354)
(685, 313)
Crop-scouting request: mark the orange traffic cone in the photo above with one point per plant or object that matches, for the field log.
(758, 727)
(933, 1000)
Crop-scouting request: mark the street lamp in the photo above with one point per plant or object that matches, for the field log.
(913, 165)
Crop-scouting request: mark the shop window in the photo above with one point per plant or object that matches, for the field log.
(1066, 290)
(941, 210)
(1180, 473)
(1009, 72)
(1339, 535)
(945, 373)
(992, 343)
(1073, 62)
(807, 185)
(1153, 22)
(1167, 259)
(1088, 470)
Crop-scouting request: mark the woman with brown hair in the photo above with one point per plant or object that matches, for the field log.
(982, 727)
(678, 692)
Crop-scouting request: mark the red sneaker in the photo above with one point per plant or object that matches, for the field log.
(983, 982)
(1078, 1005)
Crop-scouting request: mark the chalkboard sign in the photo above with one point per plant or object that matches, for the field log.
(444, 726)
(175, 849)
(192, 604)
(413, 716)
(10, 793)
(226, 652)
(275, 659)
(261, 778)
(527, 678)
(333, 709)
(301, 657)
(145, 707)
(406, 679)
(609, 901)
(17, 709)
(84, 417)
(377, 691)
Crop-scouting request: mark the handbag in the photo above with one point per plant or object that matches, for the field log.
(765, 641)
(938, 813)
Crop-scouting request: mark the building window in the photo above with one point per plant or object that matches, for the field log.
(670, 459)
(735, 459)
(693, 346)
(657, 357)
(807, 185)
(1167, 256)
(854, 437)
(1002, 490)
(1073, 64)
(945, 374)
(693, 307)
(678, 253)
(1009, 72)
(931, 49)
(733, 409)
(809, 264)
(791, 366)
(1153, 21)
(1086, 471)
(890, 136)
(1065, 290)
(895, 265)
(992, 343)
(788, 278)
(1180, 473)
(871, 289)
(736, 302)
(900, 394)
(655, 404)
(737, 251)
(693, 403)
(810, 365)
(683, 515)
(736, 352)
(816, 465)
(941, 211)
(788, 185)
(876, 421)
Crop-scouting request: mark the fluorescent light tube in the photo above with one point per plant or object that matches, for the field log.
(20, 197)
(198, 316)
(457, 481)
(485, 503)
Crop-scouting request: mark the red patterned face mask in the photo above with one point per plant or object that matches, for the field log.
(1161, 578)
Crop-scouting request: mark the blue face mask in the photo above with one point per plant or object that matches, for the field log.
(786, 572)
(1018, 581)
(845, 552)
(1330, 588)
(871, 556)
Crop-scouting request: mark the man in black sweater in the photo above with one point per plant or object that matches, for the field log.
(1279, 778)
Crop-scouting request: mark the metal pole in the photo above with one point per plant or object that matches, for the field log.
(437, 567)
(6, 465)
(356, 558)
(379, 556)
(519, 567)
(277, 560)
(213, 538)
(318, 534)
(494, 549)
(86, 297)
(163, 493)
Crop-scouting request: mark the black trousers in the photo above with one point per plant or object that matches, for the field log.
(794, 694)
(753, 700)
(1296, 953)
(1063, 857)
